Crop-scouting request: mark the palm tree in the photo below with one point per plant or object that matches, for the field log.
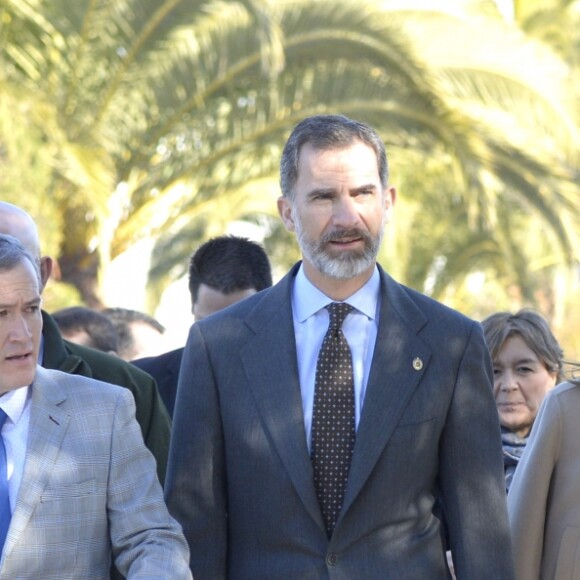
(528, 170)
(158, 114)
(554, 22)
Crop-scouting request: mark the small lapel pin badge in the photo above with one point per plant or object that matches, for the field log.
(417, 364)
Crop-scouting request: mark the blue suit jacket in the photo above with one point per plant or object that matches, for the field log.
(164, 368)
(240, 478)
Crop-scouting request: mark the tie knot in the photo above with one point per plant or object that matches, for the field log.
(3, 417)
(337, 312)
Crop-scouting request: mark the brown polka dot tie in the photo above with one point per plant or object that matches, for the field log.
(333, 425)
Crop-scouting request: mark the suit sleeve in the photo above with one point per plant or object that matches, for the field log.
(146, 541)
(471, 471)
(196, 480)
(529, 493)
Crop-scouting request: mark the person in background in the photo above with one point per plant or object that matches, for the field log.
(222, 271)
(138, 334)
(57, 353)
(527, 362)
(78, 487)
(88, 327)
(318, 422)
(544, 498)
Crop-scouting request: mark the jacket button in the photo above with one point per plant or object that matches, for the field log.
(332, 559)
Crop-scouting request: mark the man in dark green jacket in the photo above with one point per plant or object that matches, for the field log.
(75, 359)
(57, 353)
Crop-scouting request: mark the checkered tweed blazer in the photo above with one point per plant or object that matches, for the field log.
(89, 493)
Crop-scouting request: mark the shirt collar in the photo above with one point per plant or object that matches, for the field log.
(307, 299)
(13, 402)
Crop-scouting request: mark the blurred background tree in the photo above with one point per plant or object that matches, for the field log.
(130, 120)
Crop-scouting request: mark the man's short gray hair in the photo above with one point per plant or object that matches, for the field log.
(13, 253)
(323, 133)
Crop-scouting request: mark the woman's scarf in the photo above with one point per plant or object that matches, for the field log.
(513, 447)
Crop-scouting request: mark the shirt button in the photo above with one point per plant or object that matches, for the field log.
(332, 559)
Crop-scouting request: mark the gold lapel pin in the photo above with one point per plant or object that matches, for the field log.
(417, 364)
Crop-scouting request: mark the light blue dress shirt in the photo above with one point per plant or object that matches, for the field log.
(310, 325)
(16, 404)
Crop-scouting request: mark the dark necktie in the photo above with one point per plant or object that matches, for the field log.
(333, 424)
(4, 497)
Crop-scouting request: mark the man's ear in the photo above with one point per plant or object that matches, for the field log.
(285, 211)
(46, 265)
(390, 200)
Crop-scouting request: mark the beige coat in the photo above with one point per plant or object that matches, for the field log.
(544, 498)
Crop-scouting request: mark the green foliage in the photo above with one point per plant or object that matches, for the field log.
(166, 118)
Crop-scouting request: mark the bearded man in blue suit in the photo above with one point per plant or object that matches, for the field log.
(424, 470)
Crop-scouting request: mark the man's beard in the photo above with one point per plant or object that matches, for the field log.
(346, 264)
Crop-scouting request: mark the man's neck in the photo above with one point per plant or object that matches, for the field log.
(337, 289)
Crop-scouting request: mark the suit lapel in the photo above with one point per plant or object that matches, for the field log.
(392, 380)
(271, 367)
(48, 425)
(272, 371)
